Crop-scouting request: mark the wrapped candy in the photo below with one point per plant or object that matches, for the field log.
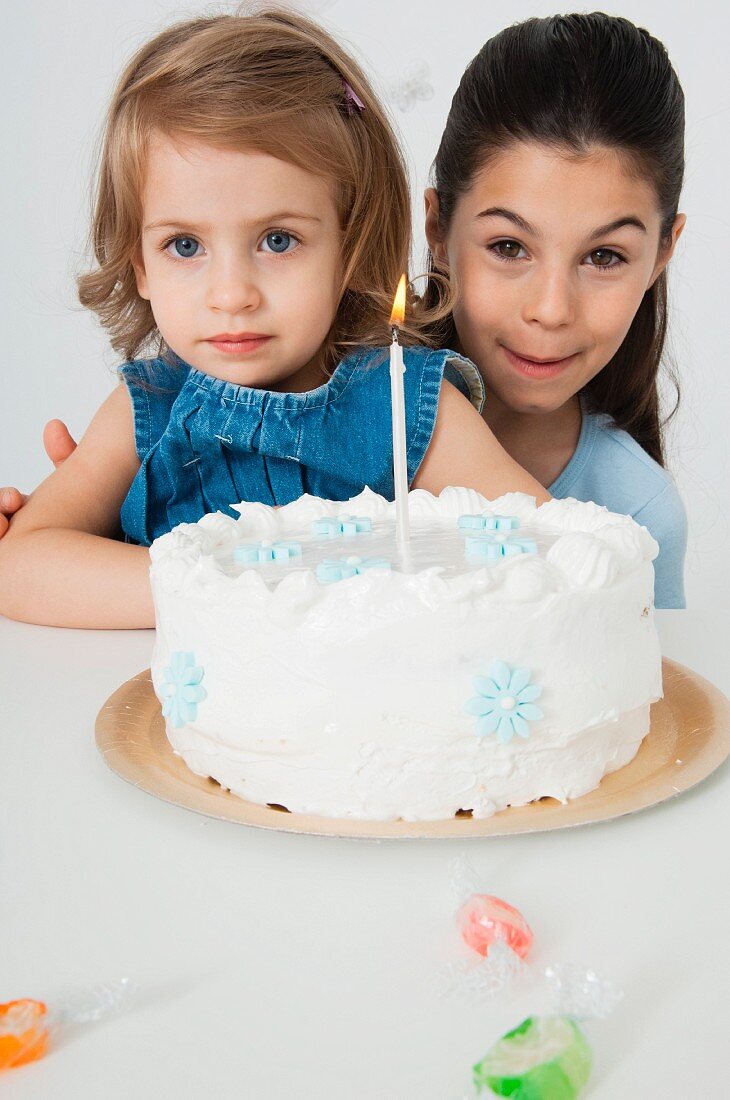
(23, 1032)
(544, 1058)
(29, 1027)
(483, 919)
(548, 1057)
(493, 929)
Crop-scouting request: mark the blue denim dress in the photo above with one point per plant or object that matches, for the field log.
(205, 443)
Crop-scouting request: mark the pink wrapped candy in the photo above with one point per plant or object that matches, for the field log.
(483, 919)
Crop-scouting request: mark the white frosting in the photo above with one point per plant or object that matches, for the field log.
(348, 699)
(587, 560)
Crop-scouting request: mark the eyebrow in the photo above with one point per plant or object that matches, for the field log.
(269, 219)
(601, 231)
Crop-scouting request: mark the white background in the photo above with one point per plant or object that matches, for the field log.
(60, 63)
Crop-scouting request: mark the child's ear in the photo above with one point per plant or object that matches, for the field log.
(433, 230)
(667, 251)
(140, 274)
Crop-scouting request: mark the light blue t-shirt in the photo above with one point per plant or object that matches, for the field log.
(609, 467)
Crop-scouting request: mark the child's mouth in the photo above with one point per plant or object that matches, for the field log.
(547, 368)
(238, 343)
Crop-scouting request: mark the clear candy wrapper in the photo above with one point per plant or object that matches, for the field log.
(29, 1028)
(579, 993)
(481, 980)
(464, 880)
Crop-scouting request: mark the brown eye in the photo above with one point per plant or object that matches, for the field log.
(603, 257)
(509, 250)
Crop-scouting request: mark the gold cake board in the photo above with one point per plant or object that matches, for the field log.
(689, 738)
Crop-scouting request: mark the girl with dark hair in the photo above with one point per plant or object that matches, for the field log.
(553, 215)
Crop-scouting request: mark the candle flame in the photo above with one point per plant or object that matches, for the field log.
(399, 303)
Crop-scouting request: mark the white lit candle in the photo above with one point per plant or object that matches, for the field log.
(398, 406)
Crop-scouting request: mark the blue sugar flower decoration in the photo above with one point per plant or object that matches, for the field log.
(510, 547)
(493, 547)
(339, 569)
(505, 702)
(257, 552)
(341, 526)
(485, 522)
(181, 689)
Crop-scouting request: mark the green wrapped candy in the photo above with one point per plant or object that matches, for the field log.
(545, 1058)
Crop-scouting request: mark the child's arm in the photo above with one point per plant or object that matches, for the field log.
(60, 563)
(59, 444)
(463, 451)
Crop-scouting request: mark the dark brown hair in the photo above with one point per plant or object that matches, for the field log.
(574, 82)
(272, 82)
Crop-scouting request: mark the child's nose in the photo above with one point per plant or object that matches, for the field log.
(550, 299)
(233, 288)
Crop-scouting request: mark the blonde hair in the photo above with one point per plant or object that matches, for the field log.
(273, 82)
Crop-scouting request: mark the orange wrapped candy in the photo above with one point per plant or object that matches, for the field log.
(23, 1032)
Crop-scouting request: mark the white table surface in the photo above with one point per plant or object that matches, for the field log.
(274, 966)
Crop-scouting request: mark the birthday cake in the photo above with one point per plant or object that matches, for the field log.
(306, 659)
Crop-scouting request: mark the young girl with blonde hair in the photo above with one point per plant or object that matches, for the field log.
(251, 224)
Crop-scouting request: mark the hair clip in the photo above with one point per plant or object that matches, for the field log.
(353, 100)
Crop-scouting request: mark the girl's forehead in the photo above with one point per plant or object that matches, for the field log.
(189, 173)
(554, 189)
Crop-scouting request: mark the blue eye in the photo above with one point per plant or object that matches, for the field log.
(278, 241)
(184, 247)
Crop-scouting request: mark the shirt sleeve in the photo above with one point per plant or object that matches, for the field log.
(666, 520)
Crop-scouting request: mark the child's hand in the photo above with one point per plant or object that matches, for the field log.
(58, 441)
(11, 500)
(59, 444)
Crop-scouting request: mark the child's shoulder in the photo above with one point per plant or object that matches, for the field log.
(427, 367)
(610, 467)
(627, 455)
